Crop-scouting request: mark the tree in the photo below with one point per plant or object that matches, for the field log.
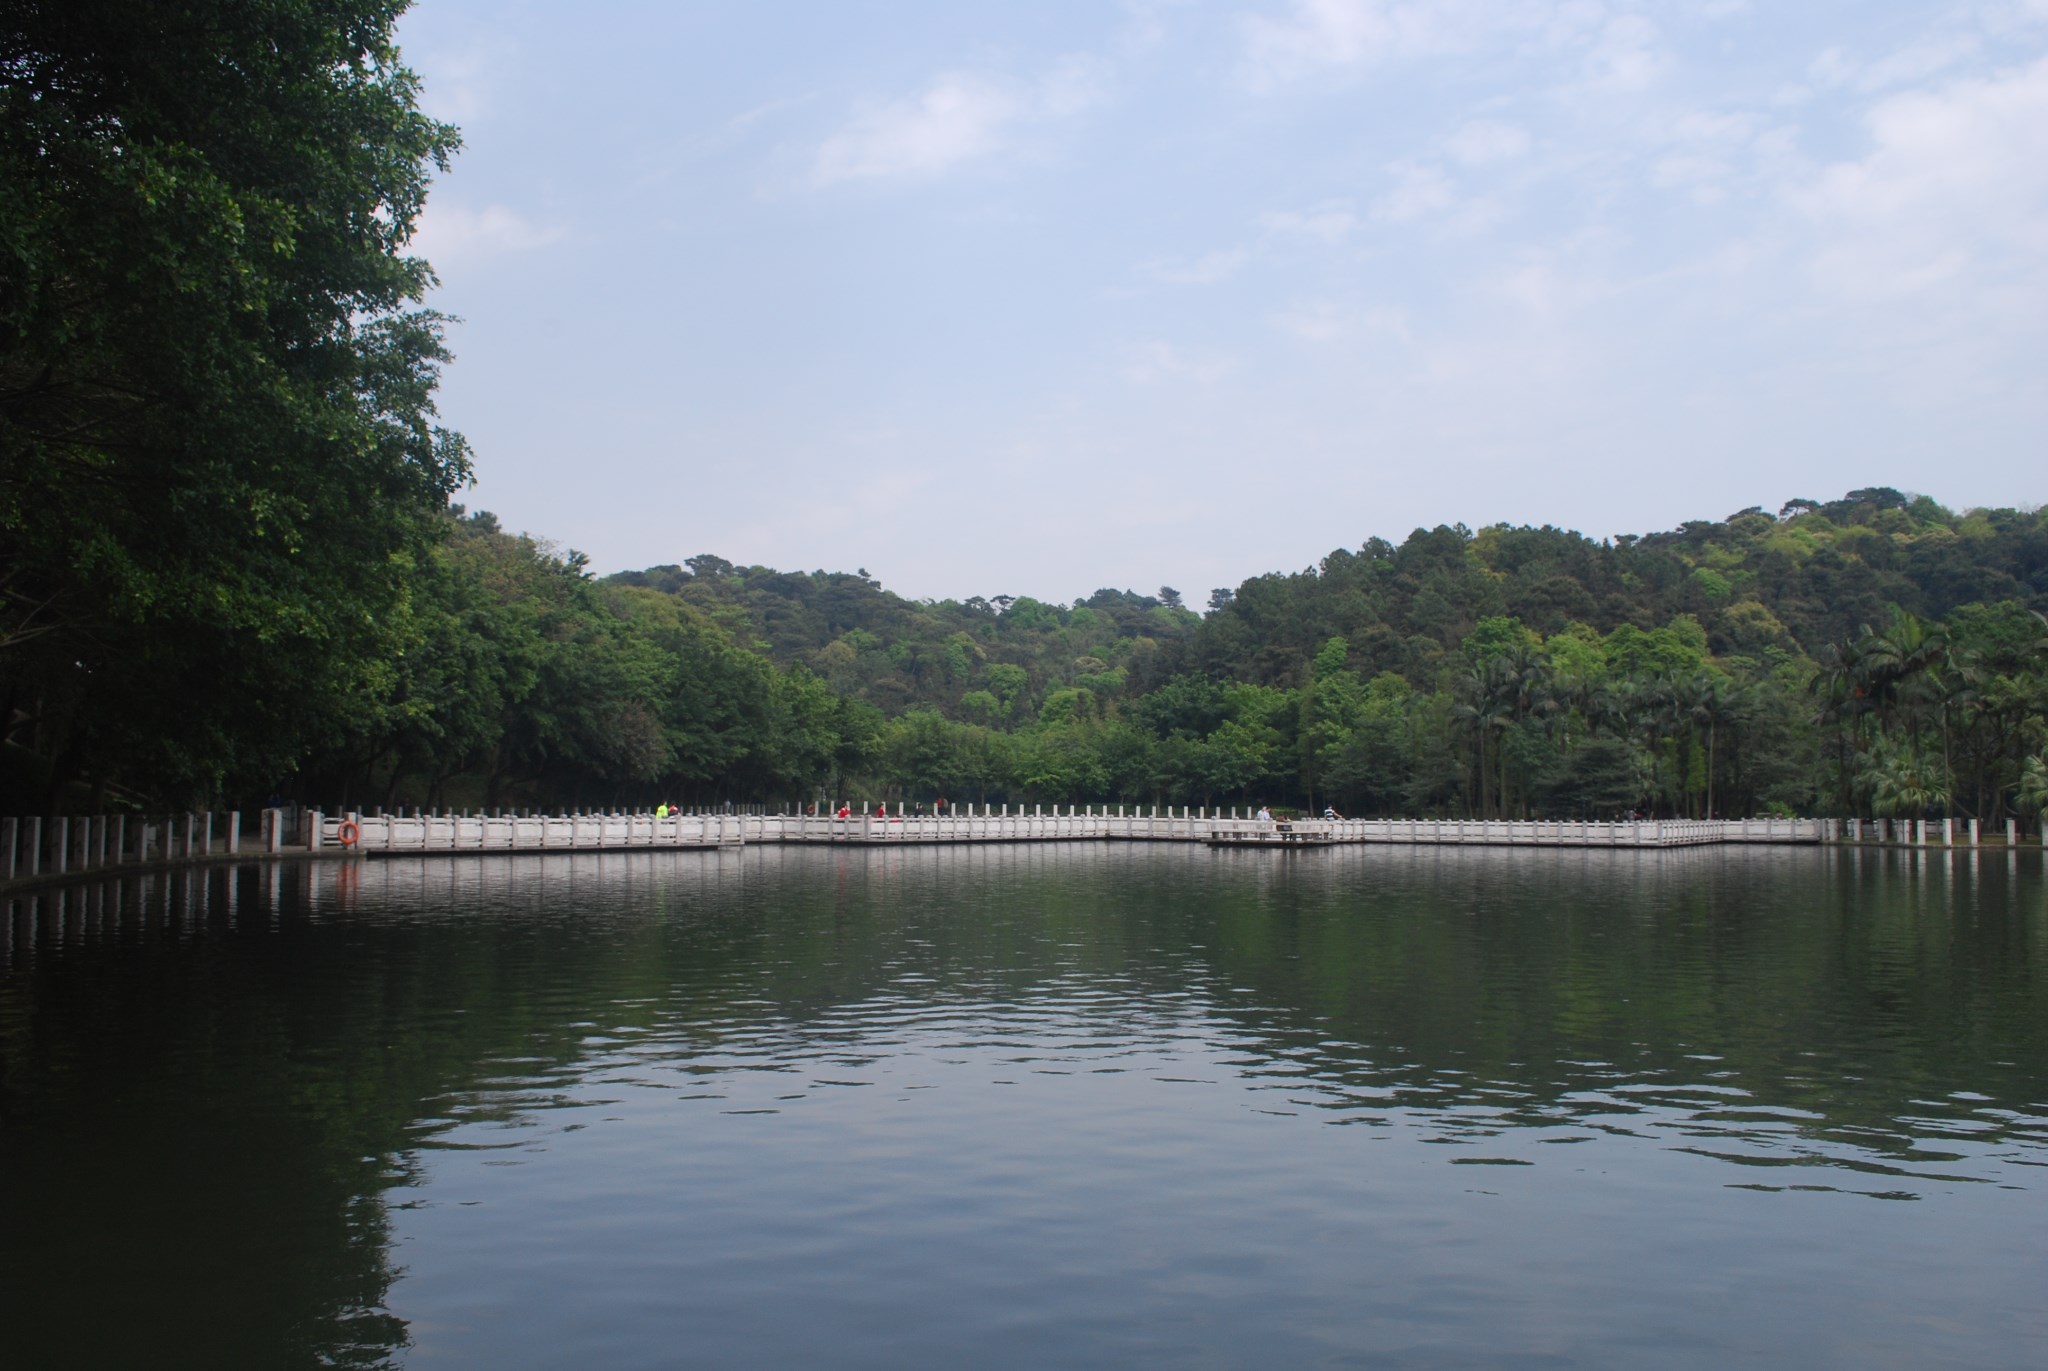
(218, 461)
(2033, 787)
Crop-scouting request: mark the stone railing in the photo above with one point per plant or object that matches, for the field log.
(386, 834)
(525, 833)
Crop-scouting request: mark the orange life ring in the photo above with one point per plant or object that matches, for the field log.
(347, 834)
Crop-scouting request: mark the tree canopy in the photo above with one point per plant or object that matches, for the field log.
(218, 457)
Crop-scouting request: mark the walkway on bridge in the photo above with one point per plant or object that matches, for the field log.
(389, 835)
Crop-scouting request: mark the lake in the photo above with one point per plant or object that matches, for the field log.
(1073, 1105)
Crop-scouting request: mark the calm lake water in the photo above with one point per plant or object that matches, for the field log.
(1063, 1106)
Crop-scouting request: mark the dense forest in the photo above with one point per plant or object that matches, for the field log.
(1873, 654)
(232, 568)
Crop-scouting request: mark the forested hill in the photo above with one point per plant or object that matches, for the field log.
(974, 657)
(1876, 653)
(1763, 588)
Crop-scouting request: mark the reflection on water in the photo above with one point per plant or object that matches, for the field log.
(1071, 1105)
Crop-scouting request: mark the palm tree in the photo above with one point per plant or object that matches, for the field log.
(1899, 782)
(1714, 700)
(1890, 661)
(1486, 705)
(1958, 681)
(2033, 793)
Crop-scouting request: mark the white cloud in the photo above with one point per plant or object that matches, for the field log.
(1916, 62)
(1330, 224)
(1417, 191)
(1534, 284)
(1205, 270)
(1314, 321)
(1312, 36)
(1145, 22)
(1628, 56)
(958, 118)
(1709, 152)
(1075, 84)
(449, 233)
(1484, 141)
(1337, 33)
(1955, 181)
(465, 85)
(1153, 362)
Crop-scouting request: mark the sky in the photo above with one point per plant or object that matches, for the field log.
(1034, 299)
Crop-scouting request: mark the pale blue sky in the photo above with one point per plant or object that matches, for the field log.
(1036, 298)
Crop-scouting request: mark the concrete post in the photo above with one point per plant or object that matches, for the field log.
(35, 847)
(313, 822)
(1973, 833)
(9, 832)
(1920, 832)
(60, 842)
(2012, 833)
(234, 831)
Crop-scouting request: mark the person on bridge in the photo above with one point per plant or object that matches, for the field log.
(1265, 815)
(661, 810)
(845, 812)
(1331, 813)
